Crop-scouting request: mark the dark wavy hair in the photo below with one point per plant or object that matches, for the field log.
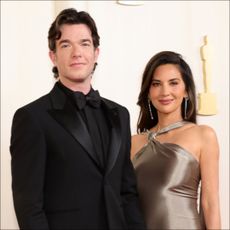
(71, 16)
(165, 57)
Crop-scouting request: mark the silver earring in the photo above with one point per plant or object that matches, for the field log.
(185, 107)
(150, 110)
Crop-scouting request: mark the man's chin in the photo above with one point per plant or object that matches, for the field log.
(80, 80)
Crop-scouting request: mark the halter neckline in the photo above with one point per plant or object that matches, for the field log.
(178, 124)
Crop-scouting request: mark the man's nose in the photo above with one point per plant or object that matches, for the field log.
(76, 52)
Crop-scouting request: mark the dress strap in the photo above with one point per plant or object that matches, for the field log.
(152, 135)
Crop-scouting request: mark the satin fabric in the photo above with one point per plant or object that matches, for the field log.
(168, 179)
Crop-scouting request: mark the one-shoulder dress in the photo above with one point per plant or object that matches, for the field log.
(168, 179)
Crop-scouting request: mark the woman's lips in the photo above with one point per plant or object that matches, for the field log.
(166, 102)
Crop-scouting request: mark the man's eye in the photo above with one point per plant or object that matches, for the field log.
(85, 44)
(64, 45)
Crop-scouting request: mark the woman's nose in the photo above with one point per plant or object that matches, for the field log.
(165, 90)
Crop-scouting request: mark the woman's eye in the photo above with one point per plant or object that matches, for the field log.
(155, 84)
(174, 83)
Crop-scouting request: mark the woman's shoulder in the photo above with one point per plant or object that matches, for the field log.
(201, 129)
(203, 134)
(207, 132)
(199, 133)
(139, 136)
(210, 145)
(138, 141)
(204, 130)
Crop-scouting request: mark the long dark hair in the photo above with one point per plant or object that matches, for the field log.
(71, 16)
(161, 58)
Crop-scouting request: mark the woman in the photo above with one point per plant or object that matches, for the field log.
(171, 153)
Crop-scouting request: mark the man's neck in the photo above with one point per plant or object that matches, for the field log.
(83, 87)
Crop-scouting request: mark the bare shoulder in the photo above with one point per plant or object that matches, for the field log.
(136, 137)
(210, 146)
(203, 131)
(207, 132)
(197, 139)
(138, 141)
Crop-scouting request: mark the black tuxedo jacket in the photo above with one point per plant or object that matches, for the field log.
(57, 182)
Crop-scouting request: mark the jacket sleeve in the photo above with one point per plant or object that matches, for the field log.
(130, 200)
(28, 160)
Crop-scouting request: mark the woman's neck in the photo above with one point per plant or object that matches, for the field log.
(166, 121)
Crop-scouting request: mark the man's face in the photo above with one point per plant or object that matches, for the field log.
(75, 55)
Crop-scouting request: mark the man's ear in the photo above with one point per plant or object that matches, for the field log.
(97, 51)
(52, 56)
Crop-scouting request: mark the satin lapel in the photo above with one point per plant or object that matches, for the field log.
(115, 137)
(65, 114)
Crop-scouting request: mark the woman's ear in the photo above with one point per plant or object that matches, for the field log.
(186, 95)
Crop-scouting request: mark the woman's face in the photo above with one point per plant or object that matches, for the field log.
(167, 89)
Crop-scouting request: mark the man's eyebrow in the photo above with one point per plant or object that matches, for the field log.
(68, 41)
(64, 41)
(85, 40)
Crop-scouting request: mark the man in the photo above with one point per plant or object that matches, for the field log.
(70, 149)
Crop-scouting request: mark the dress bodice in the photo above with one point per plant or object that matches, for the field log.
(168, 179)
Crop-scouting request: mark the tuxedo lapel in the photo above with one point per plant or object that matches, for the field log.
(66, 115)
(115, 137)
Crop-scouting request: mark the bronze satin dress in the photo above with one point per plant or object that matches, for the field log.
(168, 179)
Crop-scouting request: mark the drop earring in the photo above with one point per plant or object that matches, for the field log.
(150, 110)
(185, 107)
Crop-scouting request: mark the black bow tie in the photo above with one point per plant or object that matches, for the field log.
(92, 98)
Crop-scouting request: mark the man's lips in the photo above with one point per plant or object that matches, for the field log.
(77, 64)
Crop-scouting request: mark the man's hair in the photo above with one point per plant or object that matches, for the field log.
(71, 16)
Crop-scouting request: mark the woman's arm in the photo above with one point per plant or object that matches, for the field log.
(209, 163)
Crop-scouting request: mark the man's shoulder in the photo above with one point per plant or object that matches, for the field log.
(37, 103)
(113, 104)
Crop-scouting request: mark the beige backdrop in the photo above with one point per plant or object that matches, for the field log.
(130, 35)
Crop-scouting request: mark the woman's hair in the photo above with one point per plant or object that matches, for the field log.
(70, 17)
(165, 57)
